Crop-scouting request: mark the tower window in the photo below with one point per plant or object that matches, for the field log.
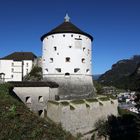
(83, 60)
(55, 48)
(28, 99)
(84, 49)
(51, 60)
(87, 70)
(40, 99)
(67, 59)
(12, 70)
(76, 70)
(58, 69)
(67, 74)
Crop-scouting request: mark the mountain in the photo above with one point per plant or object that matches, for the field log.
(121, 73)
(96, 76)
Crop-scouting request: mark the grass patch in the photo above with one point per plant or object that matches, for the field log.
(64, 103)
(77, 101)
(104, 98)
(54, 102)
(17, 122)
(92, 100)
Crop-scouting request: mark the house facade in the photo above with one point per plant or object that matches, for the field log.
(16, 65)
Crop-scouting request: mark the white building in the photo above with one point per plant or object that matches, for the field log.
(16, 65)
(66, 59)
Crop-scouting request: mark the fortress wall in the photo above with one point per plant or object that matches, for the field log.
(80, 117)
(73, 86)
(31, 96)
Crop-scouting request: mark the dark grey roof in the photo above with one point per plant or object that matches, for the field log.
(18, 56)
(34, 84)
(66, 27)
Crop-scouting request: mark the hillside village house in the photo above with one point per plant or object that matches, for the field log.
(15, 66)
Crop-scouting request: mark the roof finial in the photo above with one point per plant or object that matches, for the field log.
(67, 18)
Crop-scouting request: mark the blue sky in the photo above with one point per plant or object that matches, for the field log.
(114, 24)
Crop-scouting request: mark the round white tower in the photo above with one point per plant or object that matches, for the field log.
(67, 60)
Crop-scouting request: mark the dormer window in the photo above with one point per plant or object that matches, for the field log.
(67, 59)
(51, 60)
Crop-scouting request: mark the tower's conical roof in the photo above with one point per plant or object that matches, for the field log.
(66, 27)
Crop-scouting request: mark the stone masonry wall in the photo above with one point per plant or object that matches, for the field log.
(80, 116)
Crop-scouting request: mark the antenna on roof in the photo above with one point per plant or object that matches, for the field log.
(67, 18)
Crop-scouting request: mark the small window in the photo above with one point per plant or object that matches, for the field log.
(26, 71)
(12, 70)
(83, 60)
(88, 51)
(71, 35)
(58, 69)
(28, 99)
(12, 76)
(46, 69)
(76, 70)
(84, 49)
(27, 64)
(67, 74)
(87, 70)
(52, 36)
(40, 99)
(67, 59)
(12, 64)
(57, 53)
(51, 60)
(43, 59)
(63, 35)
(40, 112)
(70, 46)
(55, 48)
